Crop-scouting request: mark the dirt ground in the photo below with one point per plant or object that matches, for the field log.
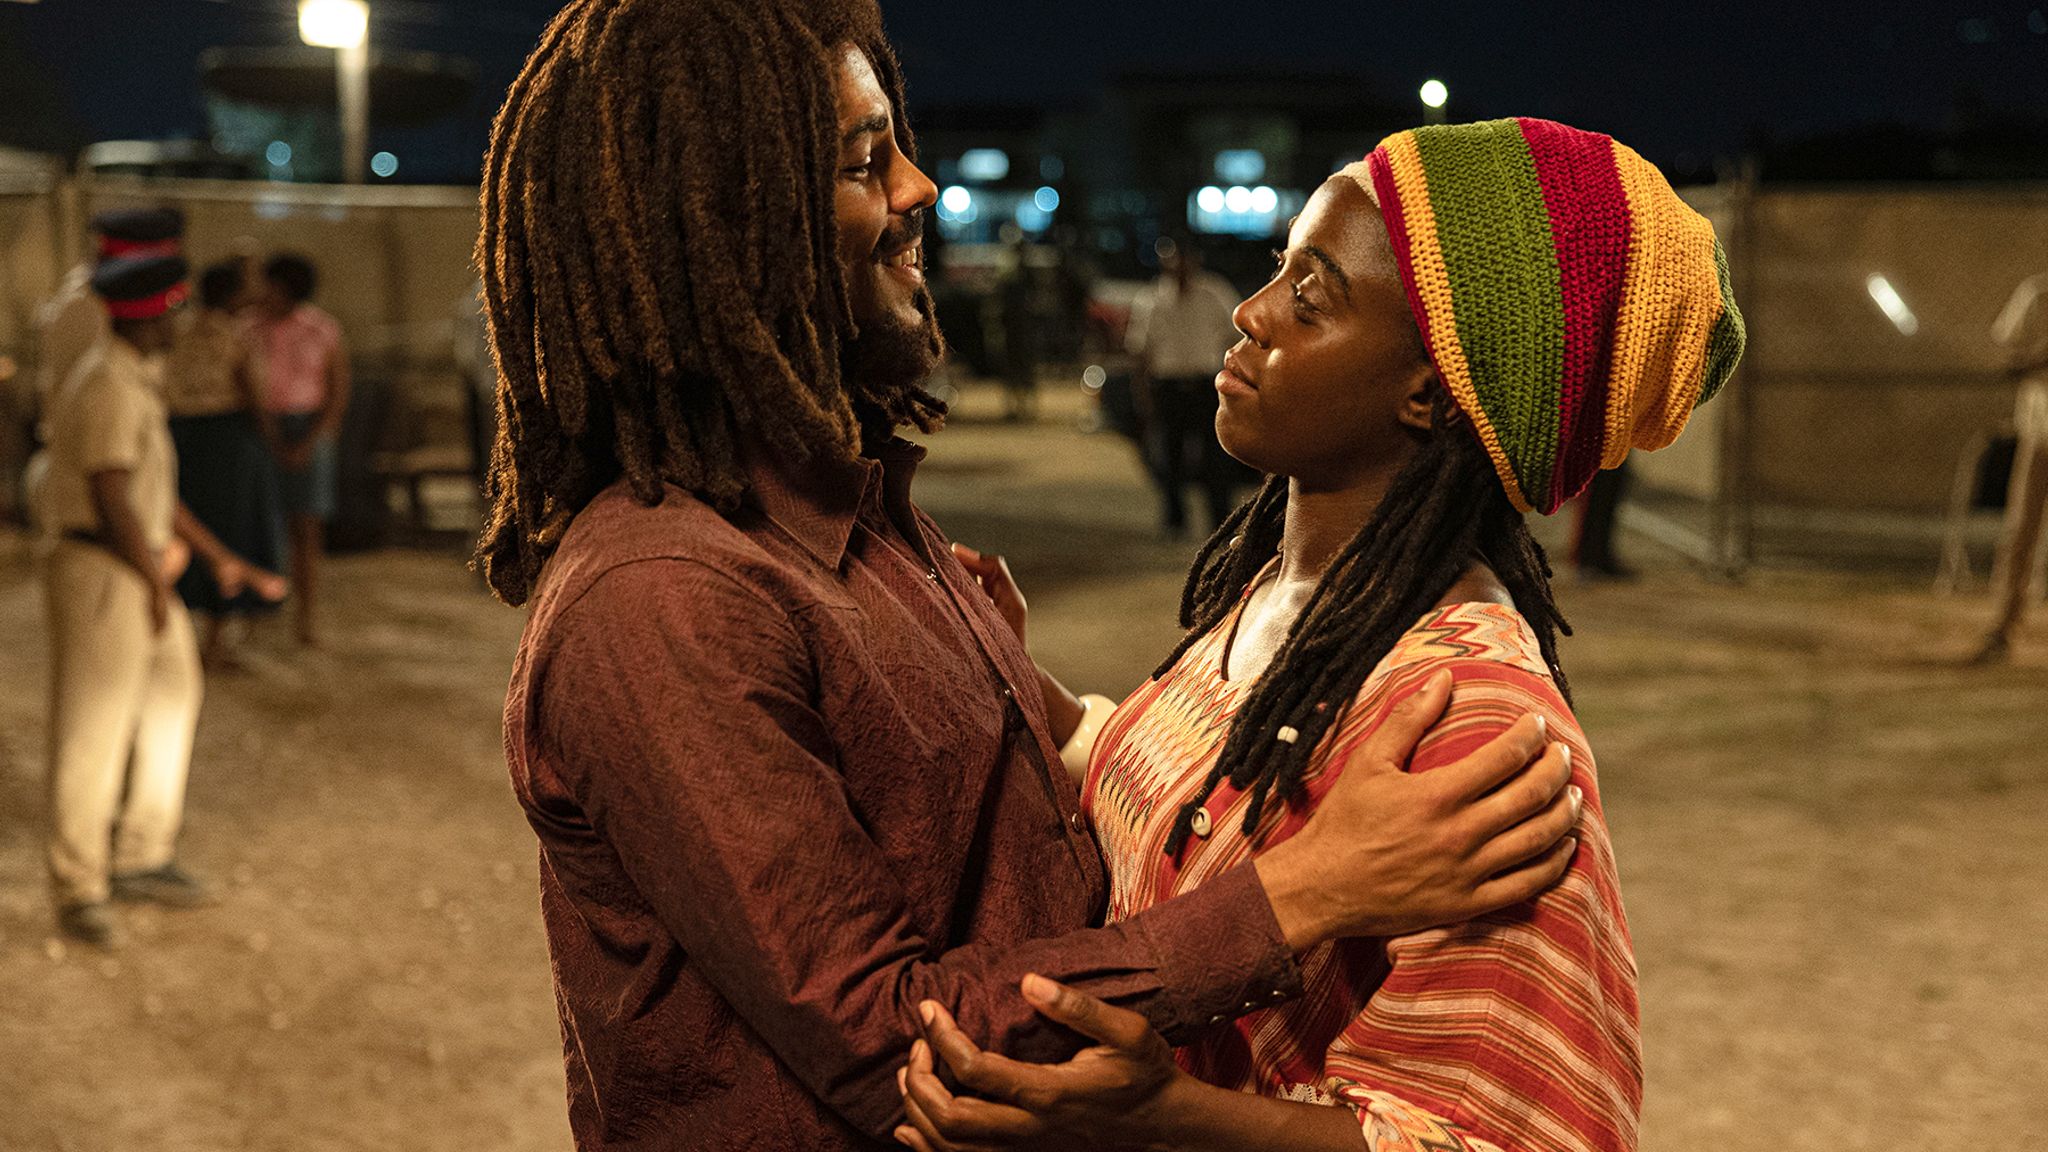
(1834, 848)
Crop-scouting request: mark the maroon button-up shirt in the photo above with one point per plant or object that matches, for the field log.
(791, 775)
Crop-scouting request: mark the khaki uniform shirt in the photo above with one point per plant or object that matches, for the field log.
(67, 328)
(110, 415)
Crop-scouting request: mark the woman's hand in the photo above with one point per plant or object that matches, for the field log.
(1117, 1094)
(993, 574)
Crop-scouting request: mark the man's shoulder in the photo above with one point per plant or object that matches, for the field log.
(617, 534)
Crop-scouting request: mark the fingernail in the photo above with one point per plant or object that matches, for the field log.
(1542, 725)
(929, 1011)
(1037, 987)
(1578, 797)
(918, 1049)
(1565, 750)
(903, 1137)
(903, 1078)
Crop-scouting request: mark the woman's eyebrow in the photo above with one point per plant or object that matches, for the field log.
(1329, 264)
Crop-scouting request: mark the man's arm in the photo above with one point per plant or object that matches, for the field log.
(120, 528)
(682, 701)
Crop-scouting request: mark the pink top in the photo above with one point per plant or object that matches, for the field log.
(298, 352)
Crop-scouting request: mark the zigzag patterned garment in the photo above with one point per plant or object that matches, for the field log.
(1516, 1031)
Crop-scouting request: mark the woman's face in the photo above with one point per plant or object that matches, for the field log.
(1328, 385)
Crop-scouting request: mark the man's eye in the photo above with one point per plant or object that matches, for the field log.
(857, 171)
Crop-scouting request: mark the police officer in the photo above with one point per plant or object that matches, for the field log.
(75, 319)
(126, 685)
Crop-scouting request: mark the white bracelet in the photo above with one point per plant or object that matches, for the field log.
(1080, 747)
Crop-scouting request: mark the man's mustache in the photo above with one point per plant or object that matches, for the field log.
(900, 234)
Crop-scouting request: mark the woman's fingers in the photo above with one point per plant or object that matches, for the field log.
(1117, 1027)
(988, 1074)
(957, 1121)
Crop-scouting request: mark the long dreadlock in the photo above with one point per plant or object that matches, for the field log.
(659, 259)
(1445, 510)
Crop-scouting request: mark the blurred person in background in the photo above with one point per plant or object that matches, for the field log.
(1180, 327)
(2022, 329)
(1018, 320)
(125, 673)
(789, 770)
(75, 319)
(1442, 350)
(1593, 551)
(306, 394)
(472, 348)
(214, 393)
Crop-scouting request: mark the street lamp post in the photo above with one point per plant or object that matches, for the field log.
(1434, 96)
(344, 25)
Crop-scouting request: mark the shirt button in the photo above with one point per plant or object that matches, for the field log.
(1077, 822)
(1200, 823)
(1216, 1019)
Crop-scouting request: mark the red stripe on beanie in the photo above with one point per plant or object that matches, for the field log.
(1589, 227)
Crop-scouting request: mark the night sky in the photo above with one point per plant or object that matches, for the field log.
(1682, 82)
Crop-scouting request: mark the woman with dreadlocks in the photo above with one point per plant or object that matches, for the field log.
(1462, 329)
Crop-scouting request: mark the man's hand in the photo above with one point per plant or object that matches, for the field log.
(993, 574)
(1117, 1094)
(1387, 853)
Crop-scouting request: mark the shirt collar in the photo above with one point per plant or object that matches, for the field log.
(816, 501)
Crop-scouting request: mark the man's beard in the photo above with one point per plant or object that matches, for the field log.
(885, 367)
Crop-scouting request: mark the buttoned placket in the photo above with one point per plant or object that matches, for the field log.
(1015, 726)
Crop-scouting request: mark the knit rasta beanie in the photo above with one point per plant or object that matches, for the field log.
(1573, 305)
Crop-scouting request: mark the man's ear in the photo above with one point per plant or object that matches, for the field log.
(1415, 411)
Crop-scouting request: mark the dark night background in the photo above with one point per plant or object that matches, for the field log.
(1683, 83)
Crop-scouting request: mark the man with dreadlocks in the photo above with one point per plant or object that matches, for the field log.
(790, 773)
(1462, 329)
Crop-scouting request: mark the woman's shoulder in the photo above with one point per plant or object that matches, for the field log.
(1463, 635)
(1495, 661)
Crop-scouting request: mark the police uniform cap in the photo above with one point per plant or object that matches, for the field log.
(129, 278)
(140, 225)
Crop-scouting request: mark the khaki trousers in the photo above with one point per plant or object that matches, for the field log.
(124, 702)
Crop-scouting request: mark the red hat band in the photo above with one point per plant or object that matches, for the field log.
(149, 307)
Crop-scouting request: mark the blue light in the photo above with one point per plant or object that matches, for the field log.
(956, 201)
(279, 153)
(1241, 165)
(1047, 199)
(984, 164)
(384, 164)
(1032, 218)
